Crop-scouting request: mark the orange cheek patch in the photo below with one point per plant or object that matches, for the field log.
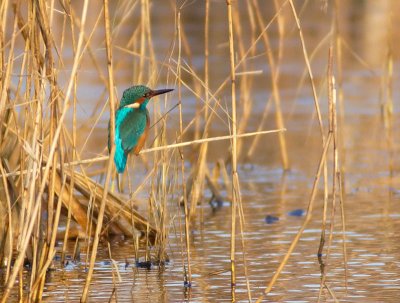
(140, 100)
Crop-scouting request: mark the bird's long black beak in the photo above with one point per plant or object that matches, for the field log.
(161, 91)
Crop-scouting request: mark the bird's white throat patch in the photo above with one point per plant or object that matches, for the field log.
(133, 105)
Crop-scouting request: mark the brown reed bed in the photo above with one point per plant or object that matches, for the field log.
(47, 176)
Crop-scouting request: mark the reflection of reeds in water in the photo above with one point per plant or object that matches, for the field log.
(45, 179)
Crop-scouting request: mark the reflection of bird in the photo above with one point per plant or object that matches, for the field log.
(132, 123)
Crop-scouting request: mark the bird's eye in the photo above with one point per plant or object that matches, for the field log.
(146, 95)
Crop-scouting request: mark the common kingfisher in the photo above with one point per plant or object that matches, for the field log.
(132, 122)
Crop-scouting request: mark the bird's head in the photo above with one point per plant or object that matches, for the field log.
(139, 95)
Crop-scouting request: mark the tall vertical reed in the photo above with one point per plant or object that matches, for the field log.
(235, 176)
(111, 102)
(188, 276)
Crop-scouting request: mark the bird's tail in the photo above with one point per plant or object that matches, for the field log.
(120, 161)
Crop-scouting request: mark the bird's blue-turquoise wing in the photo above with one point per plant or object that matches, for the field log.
(132, 128)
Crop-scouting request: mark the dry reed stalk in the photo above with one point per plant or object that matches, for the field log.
(245, 86)
(332, 129)
(253, 146)
(74, 147)
(343, 218)
(197, 87)
(247, 81)
(197, 178)
(204, 148)
(326, 197)
(5, 83)
(246, 78)
(51, 77)
(336, 178)
(29, 186)
(331, 292)
(213, 187)
(242, 225)
(21, 286)
(339, 84)
(322, 43)
(142, 41)
(125, 10)
(197, 175)
(225, 176)
(359, 59)
(151, 213)
(9, 244)
(325, 206)
(152, 67)
(316, 104)
(213, 139)
(336, 93)
(306, 221)
(336, 189)
(100, 217)
(310, 74)
(74, 21)
(337, 167)
(323, 226)
(235, 177)
(249, 50)
(75, 208)
(206, 57)
(89, 229)
(267, 107)
(387, 107)
(158, 197)
(165, 147)
(188, 276)
(281, 32)
(3, 28)
(275, 87)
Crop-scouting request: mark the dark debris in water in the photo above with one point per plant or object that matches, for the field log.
(216, 204)
(271, 219)
(143, 264)
(150, 264)
(70, 265)
(297, 212)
